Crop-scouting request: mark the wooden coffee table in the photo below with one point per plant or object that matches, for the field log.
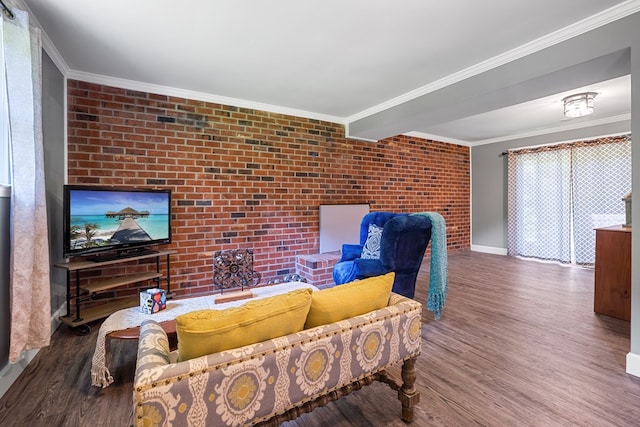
(169, 326)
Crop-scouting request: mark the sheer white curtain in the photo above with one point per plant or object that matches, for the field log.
(21, 137)
(558, 195)
(601, 178)
(539, 204)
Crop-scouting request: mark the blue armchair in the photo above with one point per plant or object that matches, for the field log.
(403, 242)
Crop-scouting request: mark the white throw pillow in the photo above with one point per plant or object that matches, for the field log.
(371, 248)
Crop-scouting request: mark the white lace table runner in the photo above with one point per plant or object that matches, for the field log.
(133, 317)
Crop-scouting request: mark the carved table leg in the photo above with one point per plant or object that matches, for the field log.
(408, 394)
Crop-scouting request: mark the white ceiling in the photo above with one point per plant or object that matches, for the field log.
(334, 60)
(539, 116)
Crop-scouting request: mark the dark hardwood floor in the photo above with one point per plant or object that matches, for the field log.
(518, 345)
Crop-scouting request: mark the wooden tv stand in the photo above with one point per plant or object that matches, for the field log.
(77, 317)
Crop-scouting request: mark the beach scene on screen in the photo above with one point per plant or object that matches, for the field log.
(104, 218)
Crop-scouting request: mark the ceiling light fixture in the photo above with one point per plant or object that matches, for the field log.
(578, 105)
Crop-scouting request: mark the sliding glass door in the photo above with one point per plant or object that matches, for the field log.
(558, 195)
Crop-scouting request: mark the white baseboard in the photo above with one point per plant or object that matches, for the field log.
(55, 317)
(633, 364)
(489, 249)
(12, 371)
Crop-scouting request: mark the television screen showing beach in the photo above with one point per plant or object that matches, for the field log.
(106, 218)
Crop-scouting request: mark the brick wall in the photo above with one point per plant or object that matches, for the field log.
(246, 178)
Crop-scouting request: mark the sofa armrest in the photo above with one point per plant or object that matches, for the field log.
(350, 252)
(369, 268)
(153, 348)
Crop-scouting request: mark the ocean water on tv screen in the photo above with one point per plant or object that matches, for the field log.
(156, 226)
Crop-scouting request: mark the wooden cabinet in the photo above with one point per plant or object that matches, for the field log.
(612, 292)
(85, 292)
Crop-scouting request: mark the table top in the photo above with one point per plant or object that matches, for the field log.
(126, 322)
(621, 228)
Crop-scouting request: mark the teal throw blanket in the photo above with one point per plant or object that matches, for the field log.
(438, 277)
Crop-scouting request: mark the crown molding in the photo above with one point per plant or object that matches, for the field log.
(357, 138)
(53, 53)
(199, 96)
(347, 135)
(438, 138)
(564, 128)
(47, 44)
(545, 131)
(595, 21)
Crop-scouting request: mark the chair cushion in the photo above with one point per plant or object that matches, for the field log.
(204, 332)
(349, 300)
(344, 272)
(371, 248)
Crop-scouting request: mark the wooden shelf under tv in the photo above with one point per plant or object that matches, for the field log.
(114, 282)
(78, 316)
(100, 311)
(88, 263)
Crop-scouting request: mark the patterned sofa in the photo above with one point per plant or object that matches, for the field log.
(277, 380)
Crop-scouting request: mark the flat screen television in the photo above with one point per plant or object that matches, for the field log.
(116, 221)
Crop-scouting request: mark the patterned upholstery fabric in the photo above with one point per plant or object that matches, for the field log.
(371, 248)
(254, 383)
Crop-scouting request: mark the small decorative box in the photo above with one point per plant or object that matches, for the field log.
(153, 300)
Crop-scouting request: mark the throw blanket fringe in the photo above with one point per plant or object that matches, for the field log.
(100, 375)
(438, 271)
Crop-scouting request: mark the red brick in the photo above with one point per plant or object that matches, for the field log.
(296, 165)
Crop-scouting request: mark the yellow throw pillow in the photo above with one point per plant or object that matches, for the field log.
(349, 300)
(210, 331)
